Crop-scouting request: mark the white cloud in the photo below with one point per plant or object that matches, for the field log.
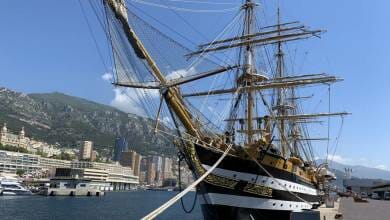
(126, 101)
(181, 73)
(340, 159)
(382, 167)
(129, 100)
(107, 77)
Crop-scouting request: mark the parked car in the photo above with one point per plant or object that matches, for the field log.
(375, 196)
(363, 195)
(387, 196)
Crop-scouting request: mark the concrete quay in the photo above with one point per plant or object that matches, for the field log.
(351, 210)
(329, 213)
(373, 210)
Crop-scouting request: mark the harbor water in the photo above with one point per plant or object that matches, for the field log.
(113, 206)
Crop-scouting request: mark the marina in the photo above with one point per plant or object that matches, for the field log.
(180, 109)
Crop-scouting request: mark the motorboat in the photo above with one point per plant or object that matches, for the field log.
(10, 187)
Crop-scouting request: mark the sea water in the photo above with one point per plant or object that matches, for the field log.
(112, 206)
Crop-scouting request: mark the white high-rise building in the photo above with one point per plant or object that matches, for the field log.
(85, 150)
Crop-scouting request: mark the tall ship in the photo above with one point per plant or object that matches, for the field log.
(256, 130)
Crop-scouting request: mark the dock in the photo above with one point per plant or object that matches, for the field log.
(72, 192)
(71, 187)
(351, 210)
(373, 210)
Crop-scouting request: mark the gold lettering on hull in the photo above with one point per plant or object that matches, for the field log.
(224, 181)
(258, 189)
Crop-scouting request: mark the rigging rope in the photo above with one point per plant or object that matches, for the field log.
(327, 145)
(166, 205)
(186, 9)
(336, 143)
(93, 37)
(225, 30)
(172, 29)
(203, 2)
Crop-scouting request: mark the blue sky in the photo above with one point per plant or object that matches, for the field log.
(45, 46)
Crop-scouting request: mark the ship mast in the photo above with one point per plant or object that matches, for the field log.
(249, 68)
(281, 107)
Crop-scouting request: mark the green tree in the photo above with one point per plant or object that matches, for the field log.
(63, 156)
(41, 153)
(13, 148)
(20, 172)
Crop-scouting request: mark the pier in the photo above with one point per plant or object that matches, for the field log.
(72, 192)
(351, 210)
(373, 210)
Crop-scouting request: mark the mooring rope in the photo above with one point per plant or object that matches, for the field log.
(172, 201)
(181, 157)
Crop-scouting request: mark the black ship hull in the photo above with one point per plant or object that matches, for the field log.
(212, 212)
(240, 189)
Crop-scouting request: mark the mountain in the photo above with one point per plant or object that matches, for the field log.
(64, 119)
(360, 171)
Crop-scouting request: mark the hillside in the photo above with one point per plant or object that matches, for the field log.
(64, 119)
(363, 171)
(360, 171)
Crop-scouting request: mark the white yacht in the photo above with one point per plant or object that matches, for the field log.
(11, 187)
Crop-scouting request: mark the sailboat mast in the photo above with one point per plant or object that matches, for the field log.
(249, 68)
(280, 104)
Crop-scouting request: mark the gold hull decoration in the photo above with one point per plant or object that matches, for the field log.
(220, 181)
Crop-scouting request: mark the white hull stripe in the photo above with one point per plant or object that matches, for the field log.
(274, 183)
(255, 203)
